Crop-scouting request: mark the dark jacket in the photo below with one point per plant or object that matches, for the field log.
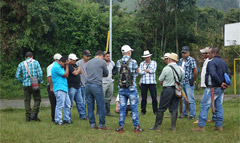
(216, 69)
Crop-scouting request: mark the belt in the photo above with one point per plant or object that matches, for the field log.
(169, 87)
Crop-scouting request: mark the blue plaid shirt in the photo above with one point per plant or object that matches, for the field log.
(133, 66)
(148, 78)
(189, 65)
(35, 71)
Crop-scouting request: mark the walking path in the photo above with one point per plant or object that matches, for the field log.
(19, 103)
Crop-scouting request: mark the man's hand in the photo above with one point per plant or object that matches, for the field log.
(195, 82)
(147, 70)
(51, 89)
(137, 71)
(224, 85)
(67, 62)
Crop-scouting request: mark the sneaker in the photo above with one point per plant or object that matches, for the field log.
(84, 118)
(210, 121)
(94, 128)
(104, 128)
(68, 122)
(220, 129)
(138, 129)
(109, 114)
(191, 118)
(196, 122)
(181, 117)
(57, 123)
(199, 129)
(119, 129)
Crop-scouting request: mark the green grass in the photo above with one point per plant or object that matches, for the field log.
(15, 129)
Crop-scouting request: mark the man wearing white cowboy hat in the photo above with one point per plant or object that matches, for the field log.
(148, 81)
(168, 99)
(74, 90)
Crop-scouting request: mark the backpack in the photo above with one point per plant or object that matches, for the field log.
(125, 77)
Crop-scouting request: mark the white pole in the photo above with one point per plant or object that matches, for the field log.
(110, 27)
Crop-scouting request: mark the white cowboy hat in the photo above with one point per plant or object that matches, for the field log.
(146, 54)
(205, 50)
(165, 56)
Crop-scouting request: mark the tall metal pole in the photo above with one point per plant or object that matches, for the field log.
(110, 27)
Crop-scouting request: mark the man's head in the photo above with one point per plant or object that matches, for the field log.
(165, 57)
(126, 50)
(213, 51)
(106, 56)
(173, 57)
(28, 55)
(72, 58)
(57, 57)
(86, 55)
(185, 52)
(147, 56)
(204, 52)
(62, 61)
(99, 54)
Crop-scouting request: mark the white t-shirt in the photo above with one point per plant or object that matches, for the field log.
(203, 73)
(109, 79)
(49, 68)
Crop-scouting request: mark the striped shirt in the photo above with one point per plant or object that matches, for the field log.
(148, 78)
(35, 71)
(133, 66)
(188, 67)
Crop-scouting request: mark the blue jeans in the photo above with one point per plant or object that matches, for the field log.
(83, 97)
(131, 94)
(206, 104)
(189, 90)
(95, 92)
(75, 94)
(63, 102)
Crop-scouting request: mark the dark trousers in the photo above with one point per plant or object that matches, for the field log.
(52, 99)
(153, 91)
(169, 100)
(27, 100)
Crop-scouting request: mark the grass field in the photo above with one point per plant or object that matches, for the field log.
(15, 129)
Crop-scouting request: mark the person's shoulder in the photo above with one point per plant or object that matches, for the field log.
(167, 67)
(133, 60)
(49, 66)
(191, 58)
(154, 62)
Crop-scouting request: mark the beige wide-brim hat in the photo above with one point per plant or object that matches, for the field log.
(173, 56)
(146, 54)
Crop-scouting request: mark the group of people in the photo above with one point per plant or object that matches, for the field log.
(89, 82)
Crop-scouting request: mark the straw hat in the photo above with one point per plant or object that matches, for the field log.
(173, 56)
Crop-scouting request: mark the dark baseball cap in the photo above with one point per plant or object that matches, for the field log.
(185, 49)
(86, 52)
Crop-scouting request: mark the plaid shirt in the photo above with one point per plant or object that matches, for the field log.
(189, 65)
(148, 78)
(133, 66)
(35, 71)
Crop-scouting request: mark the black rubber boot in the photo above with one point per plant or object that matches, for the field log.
(173, 121)
(107, 106)
(34, 117)
(158, 121)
